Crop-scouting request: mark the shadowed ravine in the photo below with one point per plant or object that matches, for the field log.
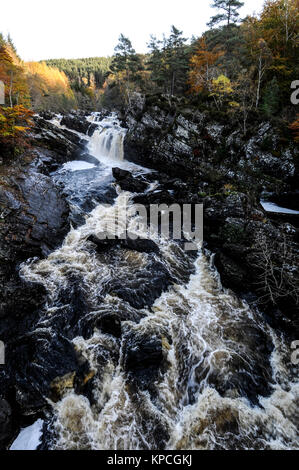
(171, 360)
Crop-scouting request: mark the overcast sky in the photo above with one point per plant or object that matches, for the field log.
(86, 28)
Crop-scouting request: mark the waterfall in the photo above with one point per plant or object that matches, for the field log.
(107, 141)
(208, 393)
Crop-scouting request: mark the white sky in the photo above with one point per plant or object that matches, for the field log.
(86, 28)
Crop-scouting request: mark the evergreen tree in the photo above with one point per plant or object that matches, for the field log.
(271, 98)
(229, 12)
(126, 67)
(125, 59)
(11, 44)
(169, 62)
(177, 60)
(156, 63)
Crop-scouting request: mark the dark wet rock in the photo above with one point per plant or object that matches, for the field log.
(34, 221)
(6, 427)
(108, 319)
(79, 124)
(143, 357)
(140, 245)
(120, 174)
(142, 288)
(192, 145)
(63, 142)
(248, 380)
(47, 115)
(232, 273)
(156, 197)
(110, 324)
(86, 157)
(287, 199)
(206, 159)
(35, 214)
(44, 357)
(127, 182)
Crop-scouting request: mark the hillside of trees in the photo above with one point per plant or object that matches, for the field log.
(236, 67)
(239, 68)
(86, 77)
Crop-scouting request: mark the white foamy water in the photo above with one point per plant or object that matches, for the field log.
(272, 207)
(29, 438)
(227, 381)
(78, 165)
(106, 142)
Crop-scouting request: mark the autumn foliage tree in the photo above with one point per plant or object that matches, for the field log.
(49, 87)
(14, 122)
(203, 68)
(12, 74)
(15, 117)
(272, 45)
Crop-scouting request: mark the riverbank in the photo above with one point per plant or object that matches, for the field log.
(134, 320)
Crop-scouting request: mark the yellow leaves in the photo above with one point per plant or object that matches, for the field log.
(221, 86)
(201, 66)
(20, 128)
(13, 76)
(48, 79)
(14, 121)
(234, 104)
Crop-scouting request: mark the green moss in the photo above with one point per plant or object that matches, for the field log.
(233, 233)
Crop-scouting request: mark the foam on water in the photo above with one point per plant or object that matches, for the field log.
(221, 387)
(78, 165)
(272, 207)
(29, 438)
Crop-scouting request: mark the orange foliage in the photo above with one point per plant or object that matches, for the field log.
(202, 65)
(50, 78)
(12, 74)
(295, 128)
(14, 122)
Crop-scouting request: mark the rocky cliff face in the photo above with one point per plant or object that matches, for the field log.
(212, 162)
(33, 222)
(198, 160)
(177, 139)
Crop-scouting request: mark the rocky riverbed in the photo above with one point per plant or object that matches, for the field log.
(196, 160)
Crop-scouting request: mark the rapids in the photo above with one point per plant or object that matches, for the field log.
(189, 366)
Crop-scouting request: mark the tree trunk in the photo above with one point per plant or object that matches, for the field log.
(259, 84)
(10, 88)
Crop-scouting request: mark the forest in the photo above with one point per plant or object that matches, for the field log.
(239, 68)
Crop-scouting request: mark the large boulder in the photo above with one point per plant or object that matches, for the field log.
(79, 124)
(6, 427)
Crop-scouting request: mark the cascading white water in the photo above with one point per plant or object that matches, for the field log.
(107, 140)
(210, 340)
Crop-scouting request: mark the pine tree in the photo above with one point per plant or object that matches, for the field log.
(126, 67)
(271, 98)
(11, 44)
(156, 63)
(169, 61)
(125, 59)
(176, 60)
(229, 12)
